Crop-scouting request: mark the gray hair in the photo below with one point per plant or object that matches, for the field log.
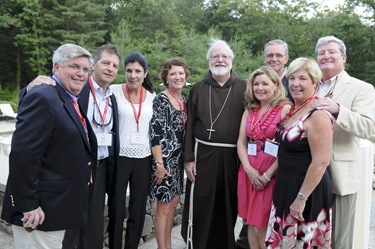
(215, 42)
(331, 38)
(277, 42)
(68, 52)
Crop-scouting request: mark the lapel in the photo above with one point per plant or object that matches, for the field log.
(342, 84)
(84, 97)
(114, 113)
(73, 114)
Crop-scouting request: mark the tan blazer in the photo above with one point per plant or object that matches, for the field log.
(355, 120)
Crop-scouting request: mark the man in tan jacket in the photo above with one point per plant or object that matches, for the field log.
(352, 102)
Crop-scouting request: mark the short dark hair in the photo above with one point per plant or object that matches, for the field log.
(110, 48)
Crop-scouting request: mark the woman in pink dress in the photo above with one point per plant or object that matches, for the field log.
(266, 105)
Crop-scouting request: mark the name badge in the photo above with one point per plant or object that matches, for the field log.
(251, 149)
(271, 147)
(104, 139)
(139, 138)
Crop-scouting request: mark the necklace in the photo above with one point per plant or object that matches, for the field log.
(252, 126)
(182, 107)
(293, 110)
(210, 130)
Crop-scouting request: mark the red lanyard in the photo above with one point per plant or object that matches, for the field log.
(264, 114)
(182, 107)
(293, 109)
(139, 107)
(104, 115)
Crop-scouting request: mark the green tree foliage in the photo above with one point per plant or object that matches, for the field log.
(30, 30)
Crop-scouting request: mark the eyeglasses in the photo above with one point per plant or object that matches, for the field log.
(77, 67)
(217, 57)
(99, 123)
(278, 56)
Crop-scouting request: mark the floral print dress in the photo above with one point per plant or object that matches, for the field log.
(284, 231)
(167, 130)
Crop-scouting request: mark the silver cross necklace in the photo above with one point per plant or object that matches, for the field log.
(210, 130)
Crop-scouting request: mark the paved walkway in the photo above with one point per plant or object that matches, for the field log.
(6, 240)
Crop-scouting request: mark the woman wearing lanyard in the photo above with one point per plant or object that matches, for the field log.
(167, 130)
(134, 99)
(302, 201)
(266, 105)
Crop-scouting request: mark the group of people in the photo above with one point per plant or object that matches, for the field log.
(272, 150)
(77, 139)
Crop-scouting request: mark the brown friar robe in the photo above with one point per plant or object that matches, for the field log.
(215, 191)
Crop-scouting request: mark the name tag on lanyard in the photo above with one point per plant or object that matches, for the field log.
(104, 139)
(251, 149)
(271, 147)
(139, 138)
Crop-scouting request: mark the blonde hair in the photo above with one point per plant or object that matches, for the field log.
(307, 64)
(279, 97)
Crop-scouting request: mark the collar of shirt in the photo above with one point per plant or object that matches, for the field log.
(282, 76)
(67, 92)
(325, 87)
(99, 90)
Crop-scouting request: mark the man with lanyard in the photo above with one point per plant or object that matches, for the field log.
(100, 105)
(215, 109)
(352, 102)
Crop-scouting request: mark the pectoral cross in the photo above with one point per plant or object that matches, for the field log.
(210, 130)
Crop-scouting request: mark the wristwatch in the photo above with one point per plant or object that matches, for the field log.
(301, 196)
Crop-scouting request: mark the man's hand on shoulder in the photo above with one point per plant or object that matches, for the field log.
(40, 79)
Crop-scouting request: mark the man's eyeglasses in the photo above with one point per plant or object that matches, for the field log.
(77, 67)
(278, 56)
(217, 57)
(99, 123)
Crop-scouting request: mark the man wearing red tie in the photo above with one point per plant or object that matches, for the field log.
(52, 156)
(100, 105)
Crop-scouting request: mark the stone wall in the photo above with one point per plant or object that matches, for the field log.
(148, 229)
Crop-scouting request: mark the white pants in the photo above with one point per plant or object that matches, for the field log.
(37, 239)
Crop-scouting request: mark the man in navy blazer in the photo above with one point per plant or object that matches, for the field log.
(52, 157)
(100, 105)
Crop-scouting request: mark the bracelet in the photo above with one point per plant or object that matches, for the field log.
(302, 196)
(159, 162)
(265, 176)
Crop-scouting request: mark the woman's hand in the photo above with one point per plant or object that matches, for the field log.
(191, 170)
(255, 178)
(297, 207)
(159, 174)
(264, 180)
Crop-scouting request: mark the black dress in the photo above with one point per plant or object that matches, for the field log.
(284, 231)
(166, 130)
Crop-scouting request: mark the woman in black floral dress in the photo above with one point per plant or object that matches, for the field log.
(167, 129)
